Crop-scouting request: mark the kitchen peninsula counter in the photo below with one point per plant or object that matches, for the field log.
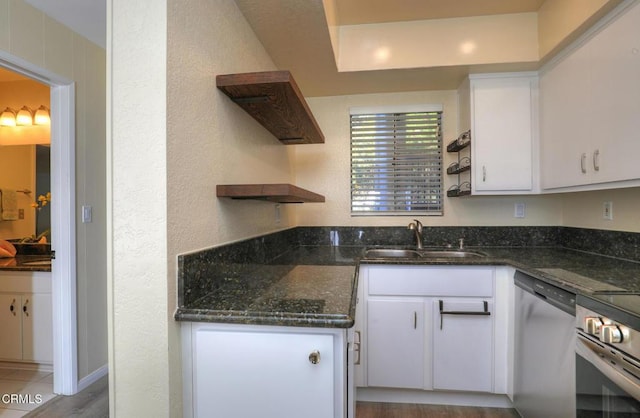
(315, 285)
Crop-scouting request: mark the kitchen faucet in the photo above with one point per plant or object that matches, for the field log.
(416, 227)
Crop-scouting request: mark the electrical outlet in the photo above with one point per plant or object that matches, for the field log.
(519, 210)
(607, 210)
(20, 213)
(277, 213)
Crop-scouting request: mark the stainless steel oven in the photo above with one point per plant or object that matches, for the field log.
(608, 356)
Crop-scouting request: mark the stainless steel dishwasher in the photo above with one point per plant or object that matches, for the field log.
(544, 376)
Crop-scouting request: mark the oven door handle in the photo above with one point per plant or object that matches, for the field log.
(599, 358)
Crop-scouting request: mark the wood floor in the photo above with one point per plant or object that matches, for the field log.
(93, 402)
(398, 410)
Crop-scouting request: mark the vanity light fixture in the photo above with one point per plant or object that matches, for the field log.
(8, 117)
(42, 116)
(24, 116)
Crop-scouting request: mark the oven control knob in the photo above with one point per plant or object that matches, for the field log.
(611, 333)
(592, 325)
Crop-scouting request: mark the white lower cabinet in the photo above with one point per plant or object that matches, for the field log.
(396, 342)
(25, 317)
(463, 344)
(271, 372)
(433, 328)
(11, 326)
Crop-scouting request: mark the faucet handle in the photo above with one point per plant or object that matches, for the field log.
(461, 243)
(418, 225)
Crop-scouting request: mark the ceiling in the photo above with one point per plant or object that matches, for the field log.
(296, 36)
(358, 12)
(86, 17)
(299, 41)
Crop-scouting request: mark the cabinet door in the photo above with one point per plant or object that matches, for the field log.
(462, 346)
(10, 327)
(263, 374)
(37, 328)
(616, 100)
(502, 134)
(395, 342)
(565, 133)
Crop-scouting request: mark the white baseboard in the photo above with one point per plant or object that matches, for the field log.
(433, 397)
(93, 377)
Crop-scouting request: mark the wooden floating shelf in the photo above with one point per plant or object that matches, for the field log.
(279, 193)
(273, 99)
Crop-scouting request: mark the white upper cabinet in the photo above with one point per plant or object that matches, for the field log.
(503, 122)
(589, 111)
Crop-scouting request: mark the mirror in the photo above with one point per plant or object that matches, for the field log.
(26, 167)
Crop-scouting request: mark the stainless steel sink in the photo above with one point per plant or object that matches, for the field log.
(406, 253)
(391, 253)
(450, 253)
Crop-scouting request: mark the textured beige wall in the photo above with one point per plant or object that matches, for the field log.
(325, 168)
(28, 34)
(584, 209)
(211, 140)
(193, 138)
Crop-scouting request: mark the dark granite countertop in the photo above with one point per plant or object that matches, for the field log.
(576, 271)
(25, 263)
(290, 295)
(316, 285)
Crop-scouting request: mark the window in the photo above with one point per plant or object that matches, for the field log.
(396, 161)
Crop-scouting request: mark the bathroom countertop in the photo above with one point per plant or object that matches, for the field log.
(25, 263)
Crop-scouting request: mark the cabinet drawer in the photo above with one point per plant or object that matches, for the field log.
(431, 281)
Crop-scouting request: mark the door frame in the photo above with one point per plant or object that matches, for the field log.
(63, 220)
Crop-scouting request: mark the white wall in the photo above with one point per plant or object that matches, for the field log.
(325, 169)
(29, 35)
(163, 61)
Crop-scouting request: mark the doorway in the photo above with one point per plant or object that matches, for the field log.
(62, 172)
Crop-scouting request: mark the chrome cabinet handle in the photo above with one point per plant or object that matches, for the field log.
(596, 160)
(415, 320)
(356, 348)
(484, 312)
(314, 357)
(583, 162)
(12, 307)
(484, 173)
(24, 308)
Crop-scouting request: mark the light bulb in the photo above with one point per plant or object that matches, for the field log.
(8, 117)
(42, 116)
(24, 116)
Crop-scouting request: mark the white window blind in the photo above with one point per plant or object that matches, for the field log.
(396, 163)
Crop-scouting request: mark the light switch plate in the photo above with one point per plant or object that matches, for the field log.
(86, 214)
